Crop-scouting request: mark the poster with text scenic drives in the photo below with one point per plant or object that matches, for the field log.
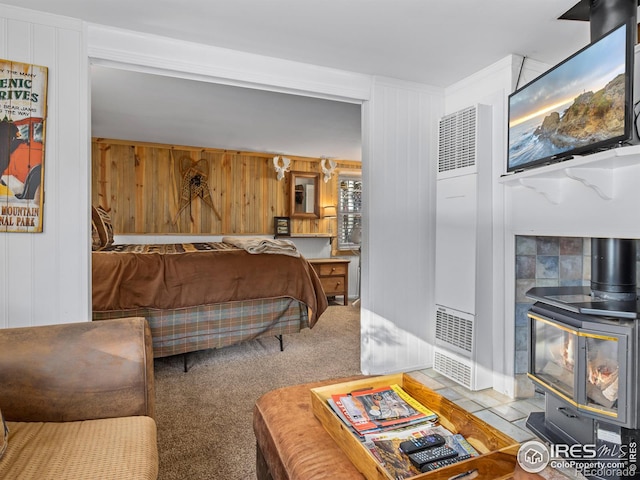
(23, 110)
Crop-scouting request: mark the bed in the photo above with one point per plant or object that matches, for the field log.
(198, 296)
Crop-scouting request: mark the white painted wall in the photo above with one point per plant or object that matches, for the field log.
(399, 150)
(44, 277)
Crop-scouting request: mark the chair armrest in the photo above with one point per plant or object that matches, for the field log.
(77, 371)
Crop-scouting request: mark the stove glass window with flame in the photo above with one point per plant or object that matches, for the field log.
(554, 357)
(603, 370)
(584, 367)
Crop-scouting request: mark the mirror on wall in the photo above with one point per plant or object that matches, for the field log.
(304, 195)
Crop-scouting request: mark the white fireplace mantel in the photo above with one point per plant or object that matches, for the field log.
(596, 195)
(597, 171)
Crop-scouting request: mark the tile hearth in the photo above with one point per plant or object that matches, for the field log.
(498, 410)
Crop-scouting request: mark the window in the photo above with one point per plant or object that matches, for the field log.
(349, 211)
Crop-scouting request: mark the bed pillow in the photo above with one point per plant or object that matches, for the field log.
(4, 435)
(102, 221)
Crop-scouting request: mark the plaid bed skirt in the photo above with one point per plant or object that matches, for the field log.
(218, 325)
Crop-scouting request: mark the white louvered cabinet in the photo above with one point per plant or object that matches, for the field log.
(463, 346)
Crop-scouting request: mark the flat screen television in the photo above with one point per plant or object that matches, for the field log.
(582, 105)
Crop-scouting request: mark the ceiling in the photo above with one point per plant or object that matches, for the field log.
(435, 42)
(151, 108)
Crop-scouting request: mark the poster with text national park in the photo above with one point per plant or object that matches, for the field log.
(23, 111)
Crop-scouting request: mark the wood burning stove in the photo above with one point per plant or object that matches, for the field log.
(584, 355)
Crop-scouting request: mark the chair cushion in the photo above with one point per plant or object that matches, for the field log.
(106, 449)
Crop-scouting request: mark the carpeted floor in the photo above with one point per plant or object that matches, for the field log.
(204, 416)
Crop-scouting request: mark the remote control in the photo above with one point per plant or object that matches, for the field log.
(465, 446)
(428, 467)
(419, 459)
(422, 443)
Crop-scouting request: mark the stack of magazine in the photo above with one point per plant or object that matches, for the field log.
(380, 409)
(383, 417)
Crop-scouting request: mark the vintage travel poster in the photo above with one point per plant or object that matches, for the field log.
(23, 110)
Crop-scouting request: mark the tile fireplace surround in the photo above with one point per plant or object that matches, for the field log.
(550, 215)
(543, 261)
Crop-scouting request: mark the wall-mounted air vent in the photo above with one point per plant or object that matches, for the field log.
(454, 330)
(457, 140)
(449, 366)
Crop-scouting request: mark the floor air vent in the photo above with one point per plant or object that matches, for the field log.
(457, 353)
(457, 140)
(453, 368)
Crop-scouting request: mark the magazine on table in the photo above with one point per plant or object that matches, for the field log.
(361, 433)
(385, 447)
(380, 408)
(393, 438)
(396, 463)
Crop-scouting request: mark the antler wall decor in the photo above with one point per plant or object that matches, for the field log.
(281, 169)
(328, 171)
(194, 184)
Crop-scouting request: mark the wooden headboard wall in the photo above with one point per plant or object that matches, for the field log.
(140, 184)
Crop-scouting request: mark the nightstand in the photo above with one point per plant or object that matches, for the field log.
(334, 276)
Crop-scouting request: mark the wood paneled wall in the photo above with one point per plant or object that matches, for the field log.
(140, 184)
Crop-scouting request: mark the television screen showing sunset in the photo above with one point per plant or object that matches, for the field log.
(580, 102)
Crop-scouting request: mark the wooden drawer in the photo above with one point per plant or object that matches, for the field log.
(331, 269)
(333, 285)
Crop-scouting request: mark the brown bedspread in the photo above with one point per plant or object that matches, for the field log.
(183, 276)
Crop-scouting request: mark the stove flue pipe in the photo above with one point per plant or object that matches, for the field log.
(613, 268)
(613, 260)
(605, 15)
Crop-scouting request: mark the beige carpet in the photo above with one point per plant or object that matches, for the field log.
(204, 416)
